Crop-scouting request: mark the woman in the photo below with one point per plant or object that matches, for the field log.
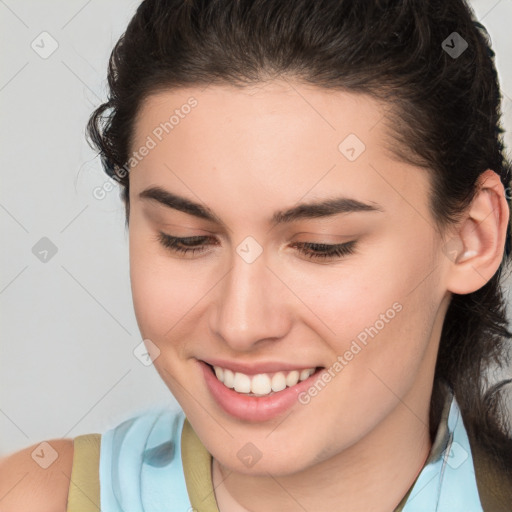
(315, 197)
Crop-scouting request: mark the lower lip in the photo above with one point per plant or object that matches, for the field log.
(253, 408)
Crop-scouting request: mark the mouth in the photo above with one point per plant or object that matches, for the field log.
(262, 384)
(257, 397)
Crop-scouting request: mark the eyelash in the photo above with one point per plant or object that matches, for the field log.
(309, 249)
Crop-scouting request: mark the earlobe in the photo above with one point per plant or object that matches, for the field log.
(480, 237)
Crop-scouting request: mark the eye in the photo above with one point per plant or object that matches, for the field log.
(196, 244)
(325, 251)
(187, 245)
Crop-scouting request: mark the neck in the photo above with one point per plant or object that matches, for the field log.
(373, 474)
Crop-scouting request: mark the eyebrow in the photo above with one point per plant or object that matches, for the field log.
(324, 208)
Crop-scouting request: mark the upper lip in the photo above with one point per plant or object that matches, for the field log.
(255, 368)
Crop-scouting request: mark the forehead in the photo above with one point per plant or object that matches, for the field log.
(278, 141)
(261, 125)
(291, 107)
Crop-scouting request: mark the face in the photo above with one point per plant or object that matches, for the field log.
(261, 290)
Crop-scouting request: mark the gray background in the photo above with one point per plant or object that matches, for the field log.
(68, 329)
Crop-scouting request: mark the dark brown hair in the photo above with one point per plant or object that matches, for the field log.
(444, 116)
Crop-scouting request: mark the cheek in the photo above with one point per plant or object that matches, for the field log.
(162, 292)
(376, 312)
(353, 295)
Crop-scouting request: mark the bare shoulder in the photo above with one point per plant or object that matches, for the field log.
(37, 478)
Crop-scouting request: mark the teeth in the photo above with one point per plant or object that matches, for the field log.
(219, 372)
(229, 378)
(304, 374)
(242, 383)
(262, 383)
(292, 378)
(278, 381)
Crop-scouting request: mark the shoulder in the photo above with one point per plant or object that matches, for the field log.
(37, 477)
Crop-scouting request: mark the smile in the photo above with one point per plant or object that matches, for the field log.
(261, 384)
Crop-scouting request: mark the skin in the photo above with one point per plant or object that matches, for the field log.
(245, 153)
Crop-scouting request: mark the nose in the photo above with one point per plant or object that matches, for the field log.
(250, 306)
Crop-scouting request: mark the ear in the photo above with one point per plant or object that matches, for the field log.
(476, 249)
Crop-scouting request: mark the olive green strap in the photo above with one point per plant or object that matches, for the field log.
(84, 487)
(197, 470)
